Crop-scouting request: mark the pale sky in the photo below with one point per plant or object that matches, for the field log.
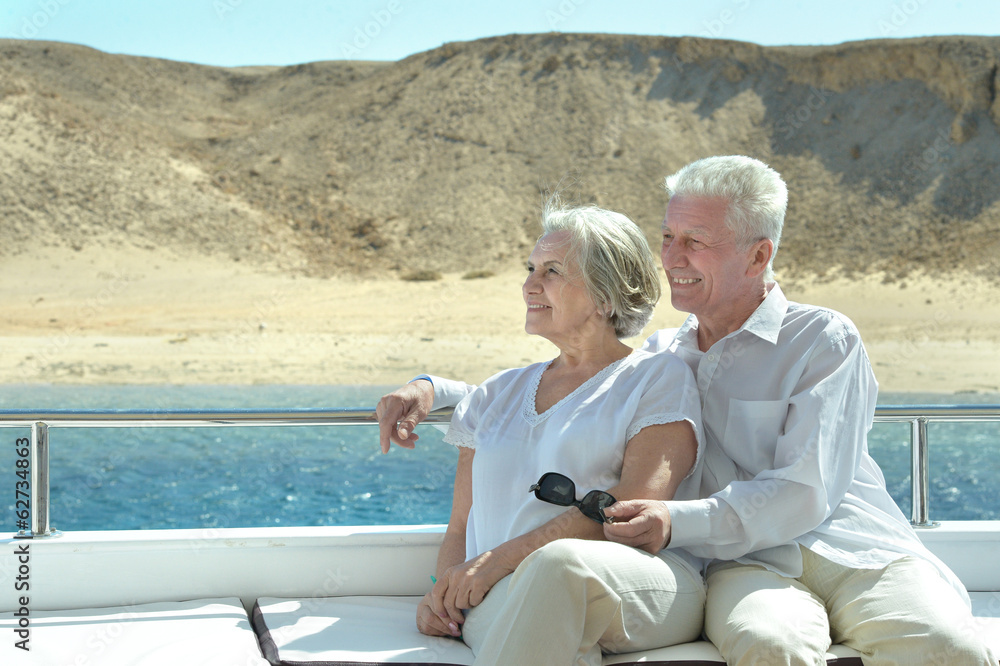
(285, 32)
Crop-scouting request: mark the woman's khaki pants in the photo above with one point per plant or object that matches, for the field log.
(573, 598)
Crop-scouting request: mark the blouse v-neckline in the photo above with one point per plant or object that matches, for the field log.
(528, 405)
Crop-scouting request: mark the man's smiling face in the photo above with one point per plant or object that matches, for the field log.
(709, 274)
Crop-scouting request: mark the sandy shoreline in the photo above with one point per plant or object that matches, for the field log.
(144, 317)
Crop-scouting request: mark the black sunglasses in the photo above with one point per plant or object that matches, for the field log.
(556, 488)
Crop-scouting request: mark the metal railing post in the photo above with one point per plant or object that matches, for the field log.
(40, 479)
(919, 474)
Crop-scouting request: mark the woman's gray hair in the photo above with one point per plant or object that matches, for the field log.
(614, 260)
(756, 194)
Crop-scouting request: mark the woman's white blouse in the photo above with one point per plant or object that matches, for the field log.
(583, 436)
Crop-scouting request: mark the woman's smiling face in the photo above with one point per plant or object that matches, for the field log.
(558, 303)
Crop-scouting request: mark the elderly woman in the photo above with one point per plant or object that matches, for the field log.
(528, 581)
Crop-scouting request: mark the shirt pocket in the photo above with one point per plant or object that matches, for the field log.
(752, 431)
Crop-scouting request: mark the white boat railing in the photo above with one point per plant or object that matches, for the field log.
(35, 522)
(918, 417)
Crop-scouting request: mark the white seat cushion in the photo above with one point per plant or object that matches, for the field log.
(986, 609)
(337, 631)
(353, 630)
(207, 631)
(703, 653)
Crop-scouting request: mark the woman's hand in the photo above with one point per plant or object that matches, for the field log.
(433, 618)
(399, 413)
(465, 585)
(428, 622)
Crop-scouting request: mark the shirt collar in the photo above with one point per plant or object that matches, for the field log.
(687, 334)
(765, 322)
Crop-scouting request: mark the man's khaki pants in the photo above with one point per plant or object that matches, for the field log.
(904, 614)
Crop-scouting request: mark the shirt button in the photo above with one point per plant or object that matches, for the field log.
(711, 357)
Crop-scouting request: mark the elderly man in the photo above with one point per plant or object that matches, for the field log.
(802, 542)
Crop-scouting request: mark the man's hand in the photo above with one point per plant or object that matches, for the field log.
(399, 413)
(642, 524)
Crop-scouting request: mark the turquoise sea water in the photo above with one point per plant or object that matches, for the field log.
(150, 478)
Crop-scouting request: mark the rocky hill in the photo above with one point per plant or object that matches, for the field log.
(441, 161)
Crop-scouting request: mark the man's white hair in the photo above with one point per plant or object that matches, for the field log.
(756, 194)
